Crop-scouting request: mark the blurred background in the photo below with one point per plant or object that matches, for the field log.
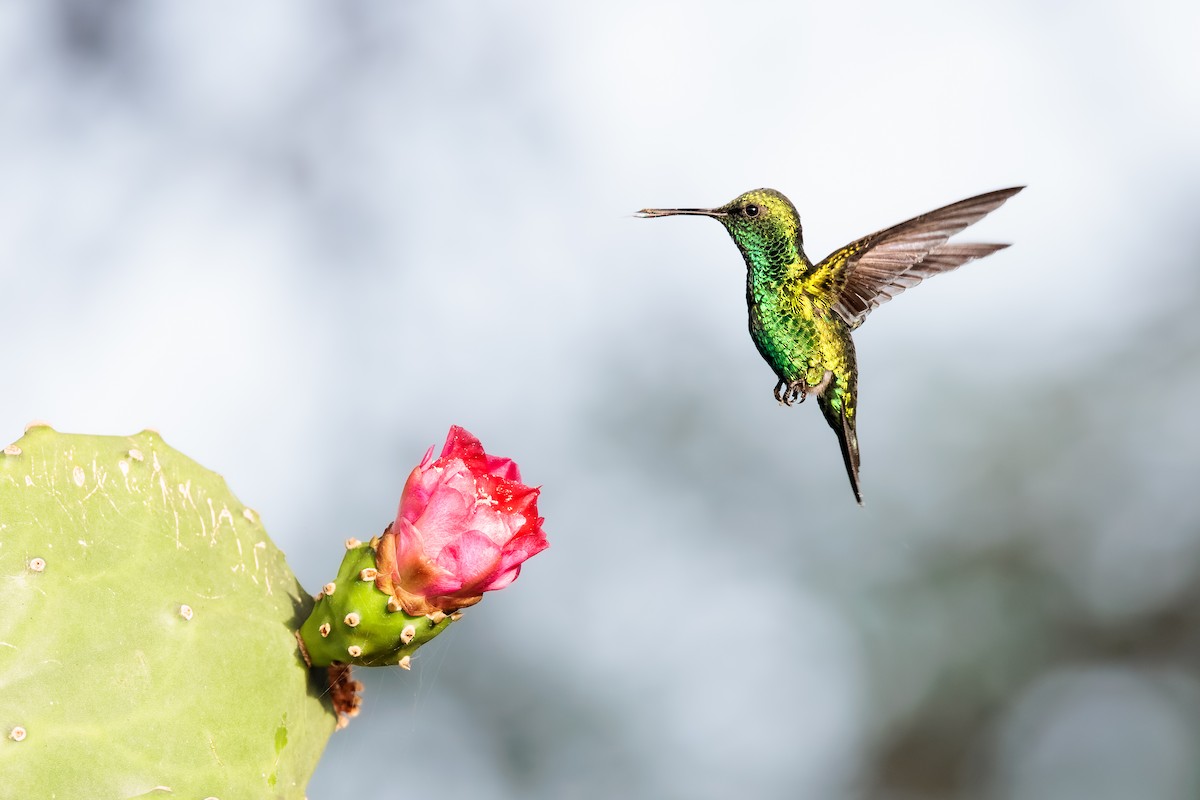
(301, 239)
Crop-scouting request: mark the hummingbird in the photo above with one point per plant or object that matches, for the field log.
(802, 314)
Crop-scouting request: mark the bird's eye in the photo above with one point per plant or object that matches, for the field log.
(750, 210)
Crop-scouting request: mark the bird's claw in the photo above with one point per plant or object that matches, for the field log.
(789, 393)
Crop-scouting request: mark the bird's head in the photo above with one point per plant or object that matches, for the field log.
(762, 222)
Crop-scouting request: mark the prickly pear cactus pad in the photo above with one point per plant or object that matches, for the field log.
(146, 630)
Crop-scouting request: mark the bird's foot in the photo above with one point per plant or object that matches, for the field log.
(789, 393)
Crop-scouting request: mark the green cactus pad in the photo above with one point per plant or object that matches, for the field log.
(352, 624)
(146, 630)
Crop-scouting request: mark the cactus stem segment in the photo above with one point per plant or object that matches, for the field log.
(12, 450)
(37, 423)
(329, 588)
(250, 514)
(364, 620)
(405, 662)
(111, 683)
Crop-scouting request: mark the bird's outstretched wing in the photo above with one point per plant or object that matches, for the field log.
(869, 272)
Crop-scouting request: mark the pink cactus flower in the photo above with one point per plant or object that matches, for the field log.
(465, 525)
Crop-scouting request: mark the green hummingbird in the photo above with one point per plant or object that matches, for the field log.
(801, 314)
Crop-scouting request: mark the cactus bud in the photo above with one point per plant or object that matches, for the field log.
(465, 525)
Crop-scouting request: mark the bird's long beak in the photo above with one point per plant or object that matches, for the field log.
(648, 213)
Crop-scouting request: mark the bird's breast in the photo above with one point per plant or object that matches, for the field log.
(785, 331)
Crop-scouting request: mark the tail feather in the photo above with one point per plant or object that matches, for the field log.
(843, 426)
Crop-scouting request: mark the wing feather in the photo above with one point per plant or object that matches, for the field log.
(869, 272)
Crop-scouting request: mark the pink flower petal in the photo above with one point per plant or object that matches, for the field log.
(449, 509)
(428, 459)
(471, 559)
(499, 581)
(503, 468)
(465, 525)
(462, 445)
(409, 547)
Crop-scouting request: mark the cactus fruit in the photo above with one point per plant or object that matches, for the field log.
(146, 630)
(356, 622)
